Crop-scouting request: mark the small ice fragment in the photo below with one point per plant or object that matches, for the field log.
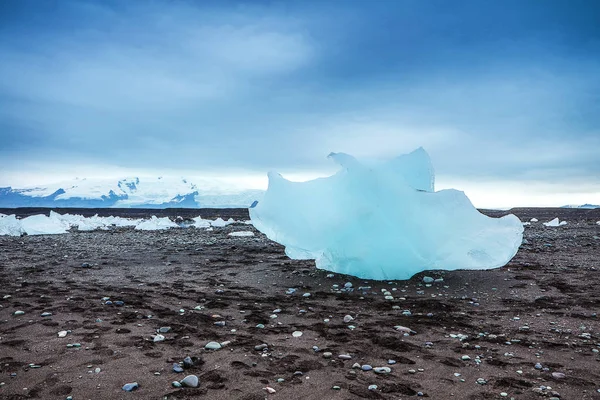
(242, 234)
(555, 222)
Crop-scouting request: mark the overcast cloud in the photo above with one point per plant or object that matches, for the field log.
(505, 96)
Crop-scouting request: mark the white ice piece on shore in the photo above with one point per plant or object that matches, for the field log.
(384, 222)
(220, 223)
(43, 225)
(201, 223)
(10, 225)
(154, 224)
(555, 222)
(242, 234)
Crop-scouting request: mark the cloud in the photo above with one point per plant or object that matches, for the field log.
(493, 96)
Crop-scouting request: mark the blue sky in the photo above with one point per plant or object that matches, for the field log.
(504, 95)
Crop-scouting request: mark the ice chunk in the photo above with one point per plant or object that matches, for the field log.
(220, 223)
(10, 225)
(201, 223)
(154, 224)
(555, 222)
(384, 222)
(43, 225)
(242, 234)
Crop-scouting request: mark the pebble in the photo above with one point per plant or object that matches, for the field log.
(97, 370)
(348, 285)
(46, 314)
(177, 368)
(62, 333)
(190, 381)
(188, 362)
(327, 354)
(304, 295)
(558, 375)
(356, 366)
(391, 362)
(345, 356)
(129, 387)
(164, 329)
(19, 312)
(382, 370)
(372, 387)
(270, 390)
(366, 367)
(336, 388)
(465, 358)
(158, 338)
(260, 326)
(176, 384)
(260, 347)
(296, 334)
(538, 366)
(348, 318)
(428, 279)
(212, 346)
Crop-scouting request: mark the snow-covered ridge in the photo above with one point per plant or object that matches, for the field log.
(58, 224)
(583, 206)
(131, 193)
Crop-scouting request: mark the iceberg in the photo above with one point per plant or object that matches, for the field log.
(383, 222)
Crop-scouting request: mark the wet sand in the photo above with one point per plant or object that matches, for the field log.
(495, 325)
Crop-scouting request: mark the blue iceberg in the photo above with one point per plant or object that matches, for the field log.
(383, 222)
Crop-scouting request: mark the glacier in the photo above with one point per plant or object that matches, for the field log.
(145, 192)
(383, 222)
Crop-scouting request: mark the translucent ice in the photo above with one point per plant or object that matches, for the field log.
(383, 222)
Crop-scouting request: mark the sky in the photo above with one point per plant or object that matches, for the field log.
(504, 95)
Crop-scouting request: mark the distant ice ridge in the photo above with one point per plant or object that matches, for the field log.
(59, 224)
(384, 222)
(161, 192)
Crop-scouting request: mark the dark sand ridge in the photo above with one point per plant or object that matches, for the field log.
(541, 308)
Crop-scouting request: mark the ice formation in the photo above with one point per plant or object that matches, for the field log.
(58, 224)
(384, 222)
(555, 222)
(154, 224)
(242, 234)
